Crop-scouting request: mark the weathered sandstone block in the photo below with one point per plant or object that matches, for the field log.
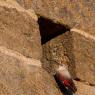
(83, 89)
(23, 76)
(19, 30)
(80, 47)
(74, 13)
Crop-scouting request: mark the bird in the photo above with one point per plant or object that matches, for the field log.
(63, 77)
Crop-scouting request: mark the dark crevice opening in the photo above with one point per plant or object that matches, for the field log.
(77, 79)
(50, 30)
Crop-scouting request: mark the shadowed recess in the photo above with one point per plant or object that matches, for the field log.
(50, 30)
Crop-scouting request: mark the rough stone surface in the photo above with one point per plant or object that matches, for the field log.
(76, 49)
(75, 13)
(25, 3)
(20, 38)
(52, 37)
(20, 76)
(81, 53)
(54, 54)
(84, 55)
(19, 30)
(79, 14)
(83, 89)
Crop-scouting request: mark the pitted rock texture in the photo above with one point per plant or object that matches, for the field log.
(52, 37)
(54, 54)
(25, 3)
(74, 13)
(80, 51)
(19, 76)
(83, 89)
(20, 38)
(19, 30)
(84, 55)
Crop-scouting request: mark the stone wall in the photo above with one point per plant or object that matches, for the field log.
(54, 31)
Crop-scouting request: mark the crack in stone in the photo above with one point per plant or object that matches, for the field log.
(84, 82)
(19, 56)
(83, 33)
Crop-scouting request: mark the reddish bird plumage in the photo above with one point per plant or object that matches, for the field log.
(64, 77)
